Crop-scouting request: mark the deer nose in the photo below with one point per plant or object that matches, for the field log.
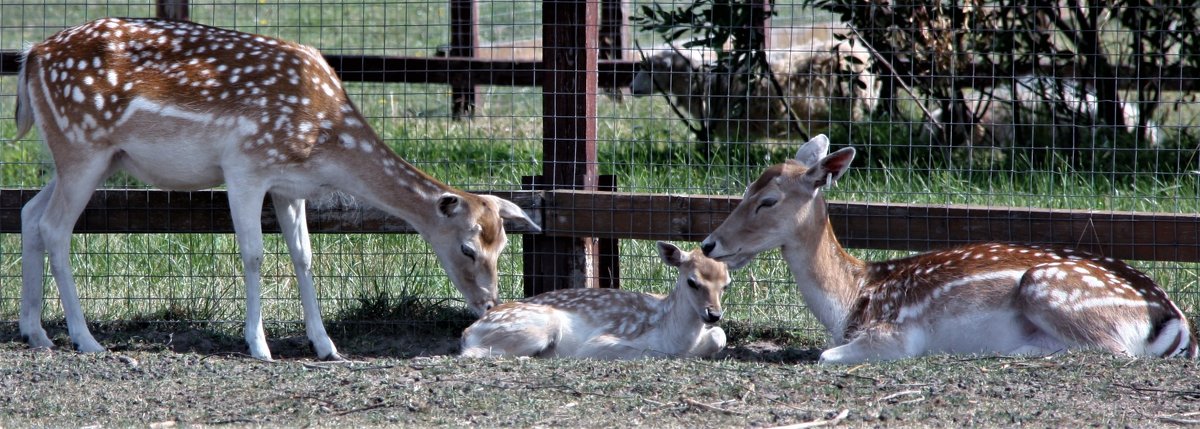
(483, 307)
(707, 247)
(712, 316)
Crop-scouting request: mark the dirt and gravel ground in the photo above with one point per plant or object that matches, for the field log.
(193, 377)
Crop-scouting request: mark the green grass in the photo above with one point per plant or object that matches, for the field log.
(197, 276)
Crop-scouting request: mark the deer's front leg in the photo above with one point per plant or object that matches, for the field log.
(246, 208)
(294, 226)
(879, 343)
(712, 341)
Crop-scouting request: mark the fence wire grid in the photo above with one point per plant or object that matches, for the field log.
(959, 125)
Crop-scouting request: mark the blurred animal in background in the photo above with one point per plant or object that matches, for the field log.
(822, 81)
(1043, 107)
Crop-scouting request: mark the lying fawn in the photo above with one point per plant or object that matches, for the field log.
(186, 106)
(977, 298)
(612, 323)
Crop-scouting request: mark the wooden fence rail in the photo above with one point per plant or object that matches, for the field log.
(611, 73)
(1126, 235)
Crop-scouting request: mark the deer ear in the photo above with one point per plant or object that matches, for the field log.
(830, 168)
(512, 212)
(449, 204)
(670, 254)
(811, 152)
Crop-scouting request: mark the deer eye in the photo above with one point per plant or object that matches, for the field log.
(767, 202)
(692, 284)
(468, 252)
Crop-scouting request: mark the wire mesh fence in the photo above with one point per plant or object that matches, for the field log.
(959, 107)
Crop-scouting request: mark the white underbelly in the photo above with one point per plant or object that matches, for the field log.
(171, 166)
(178, 152)
(987, 332)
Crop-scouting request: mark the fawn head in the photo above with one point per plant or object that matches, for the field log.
(701, 280)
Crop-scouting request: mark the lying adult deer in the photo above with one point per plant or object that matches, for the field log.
(185, 106)
(978, 298)
(612, 323)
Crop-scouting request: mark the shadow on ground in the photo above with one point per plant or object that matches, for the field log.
(363, 340)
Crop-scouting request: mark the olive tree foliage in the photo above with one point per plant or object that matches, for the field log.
(734, 31)
(937, 49)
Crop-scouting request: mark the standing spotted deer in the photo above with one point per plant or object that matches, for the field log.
(185, 106)
(611, 323)
(978, 298)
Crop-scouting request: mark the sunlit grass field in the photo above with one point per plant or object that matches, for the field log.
(197, 276)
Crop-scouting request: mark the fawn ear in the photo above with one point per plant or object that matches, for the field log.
(811, 152)
(670, 254)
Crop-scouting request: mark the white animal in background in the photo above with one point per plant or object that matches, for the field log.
(186, 106)
(1064, 107)
(612, 323)
(989, 298)
(822, 82)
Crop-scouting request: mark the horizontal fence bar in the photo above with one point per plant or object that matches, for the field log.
(375, 68)
(1125, 235)
(155, 211)
(619, 73)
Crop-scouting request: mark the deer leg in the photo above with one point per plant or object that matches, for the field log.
(245, 203)
(33, 269)
(880, 343)
(1101, 318)
(293, 224)
(514, 345)
(531, 334)
(712, 340)
(609, 347)
(68, 198)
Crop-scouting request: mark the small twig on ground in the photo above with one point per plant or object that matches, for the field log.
(899, 394)
(372, 367)
(653, 402)
(847, 374)
(231, 421)
(703, 406)
(229, 354)
(340, 363)
(1195, 394)
(1180, 420)
(367, 408)
(817, 423)
(999, 358)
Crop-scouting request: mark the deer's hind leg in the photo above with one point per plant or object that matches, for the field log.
(521, 334)
(1086, 306)
(33, 269)
(49, 229)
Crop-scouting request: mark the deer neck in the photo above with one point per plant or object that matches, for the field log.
(828, 278)
(386, 181)
(679, 324)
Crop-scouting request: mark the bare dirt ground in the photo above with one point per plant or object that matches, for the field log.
(404, 377)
